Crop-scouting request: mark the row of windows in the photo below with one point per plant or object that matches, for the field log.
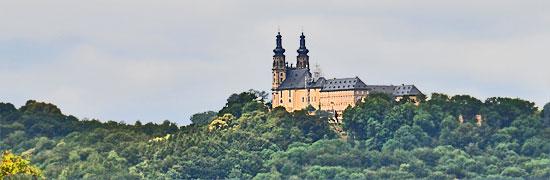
(276, 79)
(289, 100)
(289, 94)
(398, 88)
(331, 87)
(335, 104)
(361, 92)
(402, 92)
(304, 99)
(341, 82)
(346, 96)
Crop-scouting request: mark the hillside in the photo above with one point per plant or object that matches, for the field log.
(441, 138)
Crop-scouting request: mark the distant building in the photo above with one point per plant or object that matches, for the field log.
(296, 87)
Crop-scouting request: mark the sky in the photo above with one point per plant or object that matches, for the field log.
(128, 60)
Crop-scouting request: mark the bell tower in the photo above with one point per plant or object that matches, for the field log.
(302, 61)
(279, 64)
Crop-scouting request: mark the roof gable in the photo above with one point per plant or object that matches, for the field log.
(402, 90)
(295, 79)
(343, 84)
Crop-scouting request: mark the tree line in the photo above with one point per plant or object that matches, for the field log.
(440, 138)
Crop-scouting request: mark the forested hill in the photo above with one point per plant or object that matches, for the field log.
(441, 138)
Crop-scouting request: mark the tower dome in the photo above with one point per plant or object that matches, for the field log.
(302, 51)
(279, 51)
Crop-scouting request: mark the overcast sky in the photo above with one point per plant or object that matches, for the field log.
(156, 60)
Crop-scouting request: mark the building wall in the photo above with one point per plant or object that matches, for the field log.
(296, 99)
(337, 101)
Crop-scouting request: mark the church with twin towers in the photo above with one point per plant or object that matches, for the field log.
(297, 87)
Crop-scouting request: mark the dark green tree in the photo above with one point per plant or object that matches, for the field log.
(546, 114)
(467, 106)
(365, 120)
(6, 108)
(236, 102)
(204, 117)
(500, 112)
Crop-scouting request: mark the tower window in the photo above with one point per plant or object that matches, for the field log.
(281, 101)
(289, 100)
(302, 99)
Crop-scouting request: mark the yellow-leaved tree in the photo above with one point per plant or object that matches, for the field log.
(222, 122)
(14, 165)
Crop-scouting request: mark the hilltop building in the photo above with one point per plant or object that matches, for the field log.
(295, 87)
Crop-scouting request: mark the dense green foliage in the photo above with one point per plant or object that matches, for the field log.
(378, 139)
(204, 118)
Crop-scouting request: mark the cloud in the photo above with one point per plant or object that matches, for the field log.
(130, 60)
